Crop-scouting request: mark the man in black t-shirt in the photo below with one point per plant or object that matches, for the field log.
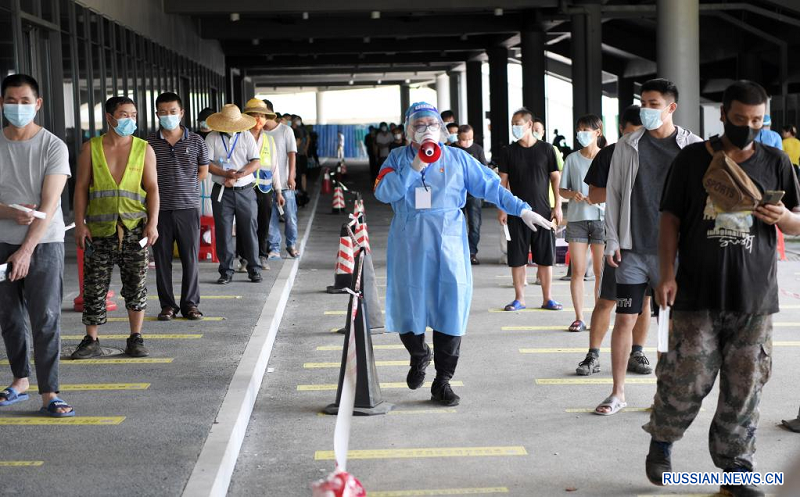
(596, 178)
(472, 209)
(725, 291)
(528, 168)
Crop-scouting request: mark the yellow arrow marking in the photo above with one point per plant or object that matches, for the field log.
(78, 420)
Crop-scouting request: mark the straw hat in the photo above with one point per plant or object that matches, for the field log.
(256, 106)
(230, 120)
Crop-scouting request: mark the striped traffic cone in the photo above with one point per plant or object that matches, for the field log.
(343, 275)
(326, 182)
(338, 200)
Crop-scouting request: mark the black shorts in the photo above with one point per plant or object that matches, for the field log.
(541, 243)
(301, 164)
(608, 285)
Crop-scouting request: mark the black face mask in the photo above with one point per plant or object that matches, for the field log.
(740, 136)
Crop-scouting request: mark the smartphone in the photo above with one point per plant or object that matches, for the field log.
(5, 271)
(89, 250)
(772, 197)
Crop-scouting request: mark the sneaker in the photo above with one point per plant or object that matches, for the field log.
(740, 490)
(588, 366)
(293, 253)
(638, 363)
(443, 394)
(416, 375)
(473, 259)
(241, 266)
(658, 462)
(225, 279)
(274, 256)
(135, 346)
(255, 277)
(264, 263)
(87, 348)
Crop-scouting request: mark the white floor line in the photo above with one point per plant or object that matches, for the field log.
(214, 468)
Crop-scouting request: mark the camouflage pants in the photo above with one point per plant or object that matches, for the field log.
(737, 346)
(98, 265)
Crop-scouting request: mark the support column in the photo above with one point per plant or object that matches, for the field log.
(475, 98)
(442, 92)
(455, 95)
(678, 44)
(533, 67)
(498, 97)
(321, 118)
(587, 57)
(624, 95)
(405, 100)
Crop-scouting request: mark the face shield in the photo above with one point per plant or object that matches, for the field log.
(423, 122)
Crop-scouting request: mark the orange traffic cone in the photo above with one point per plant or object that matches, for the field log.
(77, 304)
(343, 274)
(338, 200)
(326, 182)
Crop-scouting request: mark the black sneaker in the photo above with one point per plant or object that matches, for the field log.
(443, 394)
(588, 366)
(658, 462)
(416, 375)
(225, 279)
(638, 363)
(740, 490)
(473, 259)
(255, 277)
(87, 348)
(135, 347)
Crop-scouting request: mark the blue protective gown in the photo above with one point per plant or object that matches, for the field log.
(429, 277)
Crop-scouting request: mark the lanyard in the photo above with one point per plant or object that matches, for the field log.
(233, 146)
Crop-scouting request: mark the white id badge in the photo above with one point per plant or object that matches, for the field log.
(226, 165)
(423, 198)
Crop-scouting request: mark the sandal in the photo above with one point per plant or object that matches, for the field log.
(193, 314)
(11, 396)
(552, 305)
(613, 404)
(56, 403)
(166, 314)
(514, 306)
(577, 325)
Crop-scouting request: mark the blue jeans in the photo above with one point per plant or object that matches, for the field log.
(472, 209)
(290, 211)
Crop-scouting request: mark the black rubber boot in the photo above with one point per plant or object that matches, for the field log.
(740, 490)
(658, 462)
(420, 358)
(446, 349)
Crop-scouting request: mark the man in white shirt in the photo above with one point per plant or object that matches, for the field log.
(234, 158)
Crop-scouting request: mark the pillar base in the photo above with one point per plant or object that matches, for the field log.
(381, 408)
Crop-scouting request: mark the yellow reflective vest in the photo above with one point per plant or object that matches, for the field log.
(109, 202)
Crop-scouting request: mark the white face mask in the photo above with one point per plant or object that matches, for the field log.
(536, 135)
(518, 131)
(422, 136)
(398, 136)
(585, 138)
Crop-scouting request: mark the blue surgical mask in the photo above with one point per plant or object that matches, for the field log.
(518, 131)
(169, 122)
(651, 118)
(125, 126)
(203, 125)
(585, 138)
(19, 115)
(538, 136)
(452, 138)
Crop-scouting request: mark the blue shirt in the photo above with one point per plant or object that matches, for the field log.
(575, 168)
(771, 138)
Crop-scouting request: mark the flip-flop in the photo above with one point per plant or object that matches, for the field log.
(793, 424)
(577, 325)
(514, 306)
(552, 305)
(54, 404)
(12, 397)
(614, 405)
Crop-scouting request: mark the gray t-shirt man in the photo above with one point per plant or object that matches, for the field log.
(23, 166)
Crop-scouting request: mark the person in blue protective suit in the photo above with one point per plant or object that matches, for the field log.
(429, 277)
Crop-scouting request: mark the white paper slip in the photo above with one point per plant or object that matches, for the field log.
(663, 329)
(3, 272)
(221, 191)
(280, 209)
(422, 198)
(36, 214)
(508, 233)
(69, 226)
(143, 242)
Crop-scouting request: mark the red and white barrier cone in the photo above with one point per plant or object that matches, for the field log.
(338, 200)
(326, 182)
(343, 275)
(77, 304)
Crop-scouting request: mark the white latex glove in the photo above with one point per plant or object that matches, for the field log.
(532, 219)
(417, 163)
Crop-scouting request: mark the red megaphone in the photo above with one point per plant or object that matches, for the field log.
(429, 151)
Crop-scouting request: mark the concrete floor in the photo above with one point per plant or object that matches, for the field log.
(515, 434)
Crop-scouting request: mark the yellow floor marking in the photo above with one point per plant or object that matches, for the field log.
(423, 411)
(78, 420)
(340, 313)
(327, 455)
(536, 309)
(90, 387)
(332, 386)
(790, 306)
(121, 360)
(575, 350)
(533, 328)
(321, 365)
(593, 381)
(393, 346)
(785, 325)
(154, 318)
(629, 409)
(440, 491)
(204, 297)
(19, 464)
(149, 336)
(677, 495)
(786, 344)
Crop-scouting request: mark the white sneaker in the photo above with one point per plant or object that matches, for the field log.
(241, 266)
(264, 264)
(274, 255)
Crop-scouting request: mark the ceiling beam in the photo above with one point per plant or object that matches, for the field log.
(349, 70)
(321, 84)
(195, 7)
(346, 60)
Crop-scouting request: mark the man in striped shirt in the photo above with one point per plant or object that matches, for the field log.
(182, 163)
